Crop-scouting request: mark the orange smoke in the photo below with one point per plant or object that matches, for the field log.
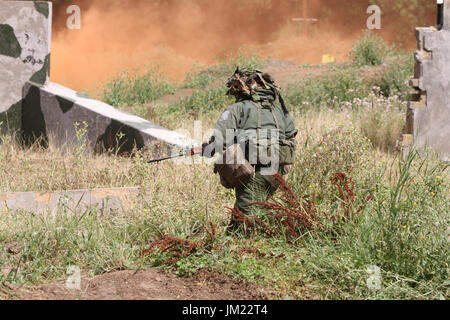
(177, 35)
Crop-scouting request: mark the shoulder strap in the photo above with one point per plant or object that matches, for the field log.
(275, 118)
(259, 107)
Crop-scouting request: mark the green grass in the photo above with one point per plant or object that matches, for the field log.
(136, 88)
(199, 79)
(347, 124)
(370, 50)
(382, 120)
(396, 76)
(203, 101)
(403, 230)
(330, 90)
(342, 84)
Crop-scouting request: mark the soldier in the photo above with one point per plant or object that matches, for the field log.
(258, 115)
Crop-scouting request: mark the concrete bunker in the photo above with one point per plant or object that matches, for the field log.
(40, 110)
(428, 114)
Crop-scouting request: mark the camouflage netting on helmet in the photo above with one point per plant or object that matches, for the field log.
(255, 85)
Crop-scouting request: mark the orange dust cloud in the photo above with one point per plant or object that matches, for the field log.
(118, 35)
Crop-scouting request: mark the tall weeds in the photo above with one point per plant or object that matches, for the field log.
(136, 88)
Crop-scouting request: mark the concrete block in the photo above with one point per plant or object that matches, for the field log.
(407, 139)
(446, 15)
(416, 104)
(30, 102)
(431, 124)
(414, 83)
(25, 37)
(106, 201)
(52, 110)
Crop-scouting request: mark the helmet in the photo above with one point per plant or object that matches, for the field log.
(246, 83)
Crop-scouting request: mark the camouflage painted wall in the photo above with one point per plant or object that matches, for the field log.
(25, 38)
(51, 111)
(428, 116)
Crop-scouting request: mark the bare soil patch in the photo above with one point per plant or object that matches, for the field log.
(151, 284)
(177, 95)
(286, 72)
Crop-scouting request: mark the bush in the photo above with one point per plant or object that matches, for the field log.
(411, 222)
(330, 90)
(129, 89)
(199, 79)
(369, 50)
(395, 80)
(381, 119)
(341, 86)
(203, 101)
(397, 226)
(338, 150)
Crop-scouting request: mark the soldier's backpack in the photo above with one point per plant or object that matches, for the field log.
(284, 148)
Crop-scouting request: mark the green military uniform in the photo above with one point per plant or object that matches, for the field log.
(248, 114)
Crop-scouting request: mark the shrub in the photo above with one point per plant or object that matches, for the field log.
(381, 119)
(330, 90)
(369, 50)
(341, 86)
(396, 75)
(203, 101)
(199, 79)
(129, 89)
(338, 150)
(398, 226)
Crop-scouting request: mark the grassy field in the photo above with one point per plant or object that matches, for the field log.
(379, 223)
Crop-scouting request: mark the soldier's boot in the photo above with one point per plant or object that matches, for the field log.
(233, 225)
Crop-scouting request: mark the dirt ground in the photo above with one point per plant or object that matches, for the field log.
(151, 284)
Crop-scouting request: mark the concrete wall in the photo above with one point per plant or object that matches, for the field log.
(428, 117)
(29, 102)
(52, 110)
(105, 201)
(25, 36)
